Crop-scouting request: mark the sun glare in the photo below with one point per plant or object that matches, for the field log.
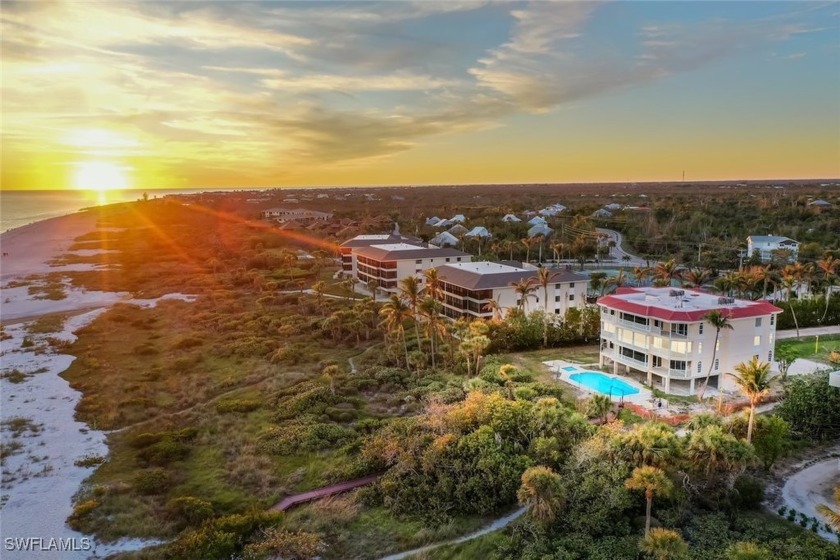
(99, 176)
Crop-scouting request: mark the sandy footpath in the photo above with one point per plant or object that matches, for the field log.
(39, 429)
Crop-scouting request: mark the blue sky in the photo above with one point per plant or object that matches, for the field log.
(166, 94)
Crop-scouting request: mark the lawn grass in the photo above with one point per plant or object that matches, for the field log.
(810, 348)
(484, 547)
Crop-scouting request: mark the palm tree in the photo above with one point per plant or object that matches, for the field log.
(719, 321)
(394, 313)
(542, 492)
(667, 271)
(653, 481)
(523, 289)
(616, 281)
(319, 288)
(433, 327)
(410, 291)
(493, 305)
(528, 242)
(747, 551)
(506, 372)
(789, 282)
(833, 515)
(432, 282)
(332, 372)
(544, 278)
(600, 406)
(696, 277)
(664, 544)
(755, 381)
(829, 266)
(508, 245)
(641, 273)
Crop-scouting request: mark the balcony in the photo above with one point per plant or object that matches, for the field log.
(672, 373)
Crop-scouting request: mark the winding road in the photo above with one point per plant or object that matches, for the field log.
(618, 252)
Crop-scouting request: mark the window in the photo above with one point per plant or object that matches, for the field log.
(699, 347)
(756, 341)
(717, 364)
(657, 361)
(758, 321)
(556, 298)
(679, 329)
(447, 259)
(701, 328)
(678, 365)
(418, 261)
(571, 297)
(699, 367)
(612, 311)
(459, 259)
(772, 319)
(557, 311)
(657, 323)
(571, 284)
(770, 356)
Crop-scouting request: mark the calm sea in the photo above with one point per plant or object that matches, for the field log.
(18, 208)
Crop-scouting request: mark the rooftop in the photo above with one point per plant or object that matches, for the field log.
(487, 275)
(403, 251)
(673, 304)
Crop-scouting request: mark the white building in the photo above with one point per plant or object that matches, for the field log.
(510, 218)
(387, 264)
(467, 288)
(767, 244)
(348, 263)
(303, 215)
(662, 333)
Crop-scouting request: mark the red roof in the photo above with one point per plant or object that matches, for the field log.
(755, 309)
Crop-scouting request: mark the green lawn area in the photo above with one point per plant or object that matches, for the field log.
(810, 348)
(533, 360)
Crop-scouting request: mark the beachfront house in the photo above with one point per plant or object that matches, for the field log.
(386, 264)
(661, 335)
(467, 289)
(769, 246)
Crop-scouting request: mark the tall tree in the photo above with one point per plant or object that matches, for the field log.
(667, 271)
(432, 282)
(410, 291)
(524, 289)
(755, 381)
(789, 283)
(433, 327)
(652, 481)
(829, 267)
(542, 492)
(506, 372)
(332, 372)
(394, 312)
(544, 278)
(719, 321)
(641, 273)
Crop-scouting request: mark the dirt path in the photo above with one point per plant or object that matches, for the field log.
(500, 523)
(811, 486)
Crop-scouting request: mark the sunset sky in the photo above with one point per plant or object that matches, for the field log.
(223, 94)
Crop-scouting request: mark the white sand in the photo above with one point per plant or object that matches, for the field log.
(40, 479)
(810, 487)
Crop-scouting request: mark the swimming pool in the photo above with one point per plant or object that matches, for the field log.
(603, 383)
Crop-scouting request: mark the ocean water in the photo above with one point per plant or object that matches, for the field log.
(19, 208)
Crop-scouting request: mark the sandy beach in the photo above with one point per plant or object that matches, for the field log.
(39, 430)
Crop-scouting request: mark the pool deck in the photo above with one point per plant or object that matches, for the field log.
(644, 397)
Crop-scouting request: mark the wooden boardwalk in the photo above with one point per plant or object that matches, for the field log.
(318, 493)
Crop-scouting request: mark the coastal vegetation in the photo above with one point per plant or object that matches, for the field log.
(280, 378)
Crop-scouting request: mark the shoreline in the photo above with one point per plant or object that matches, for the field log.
(42, 438)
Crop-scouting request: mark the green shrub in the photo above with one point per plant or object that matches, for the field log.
(163, 452)
(81, 510)
(151, 481)
(191, 510)
(237, 405)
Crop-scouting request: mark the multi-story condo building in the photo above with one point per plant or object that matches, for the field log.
(302, 215)
(770, 245)
(467, 289)
(346, 249)
(663, 334)
(387, 264)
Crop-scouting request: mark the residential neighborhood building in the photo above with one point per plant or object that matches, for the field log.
(444, 239)
(386, 264)
(770, 245)
(467, 289)
(510, 218)
(348, 263)
(662, 334)
(300, 215)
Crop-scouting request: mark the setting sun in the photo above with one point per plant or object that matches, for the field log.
(99, 176)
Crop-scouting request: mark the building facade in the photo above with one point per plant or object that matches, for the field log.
(387, 264)
(348, 264)
(468, 288)
(769, 246)
(662, 334)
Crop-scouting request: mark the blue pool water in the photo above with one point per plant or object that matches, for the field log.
(570, 368)
(604, 383)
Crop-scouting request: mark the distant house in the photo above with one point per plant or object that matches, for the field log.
(510, 218)
(536, 220)
(766, 245)
(443, 223)
(820, 203)
(458, 229)
(301, 215)
(432, 221)
(612, 206)
(602, 213)
(444, 239)
(552, 210)
(539, 229)
(478, 231)
(458, 218)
